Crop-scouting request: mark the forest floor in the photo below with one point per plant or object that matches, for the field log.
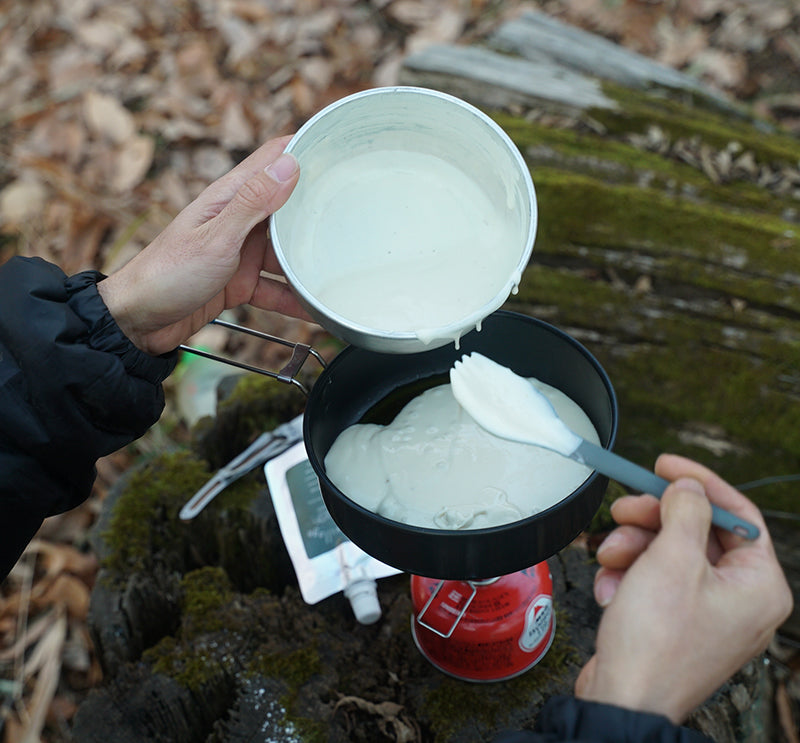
(113, 116)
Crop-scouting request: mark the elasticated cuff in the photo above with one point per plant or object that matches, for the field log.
(105, 335)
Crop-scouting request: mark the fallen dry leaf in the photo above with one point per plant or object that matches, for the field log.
(107, 117)
(62, 558)
(20, 202)
(235, 131)
(46, 681)
(133, 160)
(679, 45)
(395, 725)
(66, 591)
(725, 70)
(786, 719)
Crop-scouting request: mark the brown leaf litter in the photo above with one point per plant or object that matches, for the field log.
(113, 116)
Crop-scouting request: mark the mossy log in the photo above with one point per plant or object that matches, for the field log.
(203, 634)
(668, 242)
(668, 245)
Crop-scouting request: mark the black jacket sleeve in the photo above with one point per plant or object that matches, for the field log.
(73, 388)
(571, 720)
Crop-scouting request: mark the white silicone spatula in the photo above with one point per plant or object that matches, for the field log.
(510, 407)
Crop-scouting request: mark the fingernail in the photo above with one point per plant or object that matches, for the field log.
(604, 589)
(612, 540)
(282, 169)
(689, 483)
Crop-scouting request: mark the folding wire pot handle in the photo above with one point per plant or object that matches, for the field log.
(287, 375)
(269, 444)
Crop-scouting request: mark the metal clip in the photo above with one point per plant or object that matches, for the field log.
(458, 611)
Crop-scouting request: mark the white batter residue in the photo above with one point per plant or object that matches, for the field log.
(405, 242)
(434, 467)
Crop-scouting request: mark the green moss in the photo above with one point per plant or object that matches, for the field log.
(602, 521)
(259, 393)
(216, 638)
(310, 731)
(680, 237)
(713, 342)
(144, 523)
(206, 594)
(239, 495)
(660, 392)
(614, 161)
(190, 667)
(144, 528)
(256, 404)
(295, 669)
(456, 704)
(678, 368)
(688, 116)
(206, 599)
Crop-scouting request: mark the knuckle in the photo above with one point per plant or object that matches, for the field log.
(687, 498)
(255, 194)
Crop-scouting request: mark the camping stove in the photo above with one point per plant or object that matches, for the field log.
(484, 630)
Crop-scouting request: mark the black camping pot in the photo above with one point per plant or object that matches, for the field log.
(364, 386)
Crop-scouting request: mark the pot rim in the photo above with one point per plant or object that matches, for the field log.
(319, 466)
(407, 341)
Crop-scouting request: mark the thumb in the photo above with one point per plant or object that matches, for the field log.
(686, 512)
(259, 196)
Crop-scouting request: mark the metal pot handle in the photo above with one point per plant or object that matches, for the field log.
(287, 374)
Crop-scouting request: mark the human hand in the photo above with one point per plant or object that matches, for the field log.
(209, 258)
(686, 606)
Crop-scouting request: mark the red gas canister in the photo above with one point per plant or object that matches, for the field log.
(486, 630)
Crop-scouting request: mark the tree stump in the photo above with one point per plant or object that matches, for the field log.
(203, 634)
(668, 245)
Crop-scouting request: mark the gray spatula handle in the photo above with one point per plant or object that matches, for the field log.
(636, 477)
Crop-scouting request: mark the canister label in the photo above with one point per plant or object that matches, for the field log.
(538, 623)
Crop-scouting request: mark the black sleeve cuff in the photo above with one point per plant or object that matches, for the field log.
(570, 719)
(73, 387)
(106, 336)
